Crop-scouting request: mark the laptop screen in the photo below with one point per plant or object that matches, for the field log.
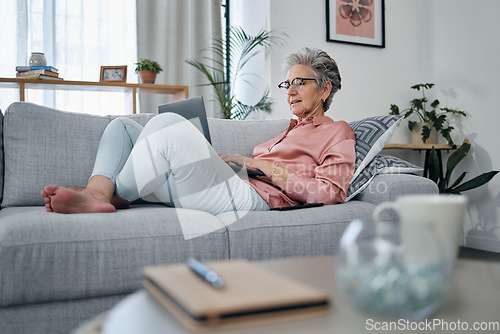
(193, 109)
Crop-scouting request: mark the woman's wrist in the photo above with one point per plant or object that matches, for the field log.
(272, 173)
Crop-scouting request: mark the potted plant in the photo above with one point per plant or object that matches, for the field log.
(147, 70)
(456, 187)
(236, 49)
(429, 121)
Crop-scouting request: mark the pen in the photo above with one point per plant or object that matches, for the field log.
(210, 276)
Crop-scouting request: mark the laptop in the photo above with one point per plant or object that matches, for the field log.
(193, 109)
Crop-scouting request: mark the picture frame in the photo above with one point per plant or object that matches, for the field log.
(114, 73)
(360, 22)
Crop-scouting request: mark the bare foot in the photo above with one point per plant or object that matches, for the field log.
(75, 188)
(118, 203)
(65, 200)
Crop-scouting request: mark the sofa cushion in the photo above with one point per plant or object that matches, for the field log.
(381, 164)
(372, 134)
(47, 146)
(48, 256)
(303, 232)
(388, 187)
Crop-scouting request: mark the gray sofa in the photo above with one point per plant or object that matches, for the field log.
(59, 270)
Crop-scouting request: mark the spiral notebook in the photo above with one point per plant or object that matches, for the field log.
(250, 295)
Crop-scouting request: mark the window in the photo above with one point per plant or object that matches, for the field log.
(77, 37)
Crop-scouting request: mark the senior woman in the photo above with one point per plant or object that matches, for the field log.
(170, 161)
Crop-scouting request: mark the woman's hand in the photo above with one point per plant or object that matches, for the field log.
(244, 161)
(278, 174)
(236, 158)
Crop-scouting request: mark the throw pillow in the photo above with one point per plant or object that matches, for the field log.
(381, 164)
(372, 134)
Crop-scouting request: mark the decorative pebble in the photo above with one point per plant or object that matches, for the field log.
(392, 290)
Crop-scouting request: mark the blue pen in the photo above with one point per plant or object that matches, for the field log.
(210, 276)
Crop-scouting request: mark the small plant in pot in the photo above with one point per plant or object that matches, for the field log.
(430, 121)
(147, 70)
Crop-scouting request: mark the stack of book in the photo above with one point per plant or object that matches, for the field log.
(37, 72)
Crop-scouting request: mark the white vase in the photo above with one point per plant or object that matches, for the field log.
(38, 59)
(416, 134)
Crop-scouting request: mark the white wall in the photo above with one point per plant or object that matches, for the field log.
(452, 43)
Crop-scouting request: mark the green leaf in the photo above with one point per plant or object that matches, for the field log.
(457, 181)
(475, 182)
(426, 132)
(454, 111)
(446, 133)
(412, 125)
(438, 122)
(442, 185)
(408, 113)
(418, 103)
(433, 164)
(430, 116)
(426, 86)
(243, 47)
(435, 103)
(394, 110)
(457, 156)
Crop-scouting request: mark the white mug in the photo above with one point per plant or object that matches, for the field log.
(443, 212)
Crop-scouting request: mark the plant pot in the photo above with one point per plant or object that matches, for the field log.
(147, 77)
(416, 134)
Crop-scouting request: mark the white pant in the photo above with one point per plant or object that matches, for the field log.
(170, 161)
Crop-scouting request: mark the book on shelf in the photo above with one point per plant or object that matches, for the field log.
(36, 67)
(40, 76)
(34, 72)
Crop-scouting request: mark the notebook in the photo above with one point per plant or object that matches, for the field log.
(250, 295)
(193, 109)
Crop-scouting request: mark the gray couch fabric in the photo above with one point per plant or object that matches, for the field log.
(65, 269)
(46, 146)
(46, 256)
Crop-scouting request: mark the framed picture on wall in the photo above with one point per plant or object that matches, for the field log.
(356, 22)
(114, 73)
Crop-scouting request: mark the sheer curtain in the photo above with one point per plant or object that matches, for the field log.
(171, 31)
(77, 37)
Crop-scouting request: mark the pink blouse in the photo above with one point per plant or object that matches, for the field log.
(319, 155)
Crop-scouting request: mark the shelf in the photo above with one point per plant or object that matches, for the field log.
(178, 92)
(421, 146)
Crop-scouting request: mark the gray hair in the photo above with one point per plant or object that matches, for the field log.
(323, 69)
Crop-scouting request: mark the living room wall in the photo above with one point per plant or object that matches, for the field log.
(452, 43)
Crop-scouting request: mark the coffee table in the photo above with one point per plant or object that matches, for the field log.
(473, 299)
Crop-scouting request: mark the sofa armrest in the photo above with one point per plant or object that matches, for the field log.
(388, 187)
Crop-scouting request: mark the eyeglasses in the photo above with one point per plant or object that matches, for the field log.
(296, 83)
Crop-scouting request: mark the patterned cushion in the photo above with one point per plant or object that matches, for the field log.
(372, 134)
(381, 164)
